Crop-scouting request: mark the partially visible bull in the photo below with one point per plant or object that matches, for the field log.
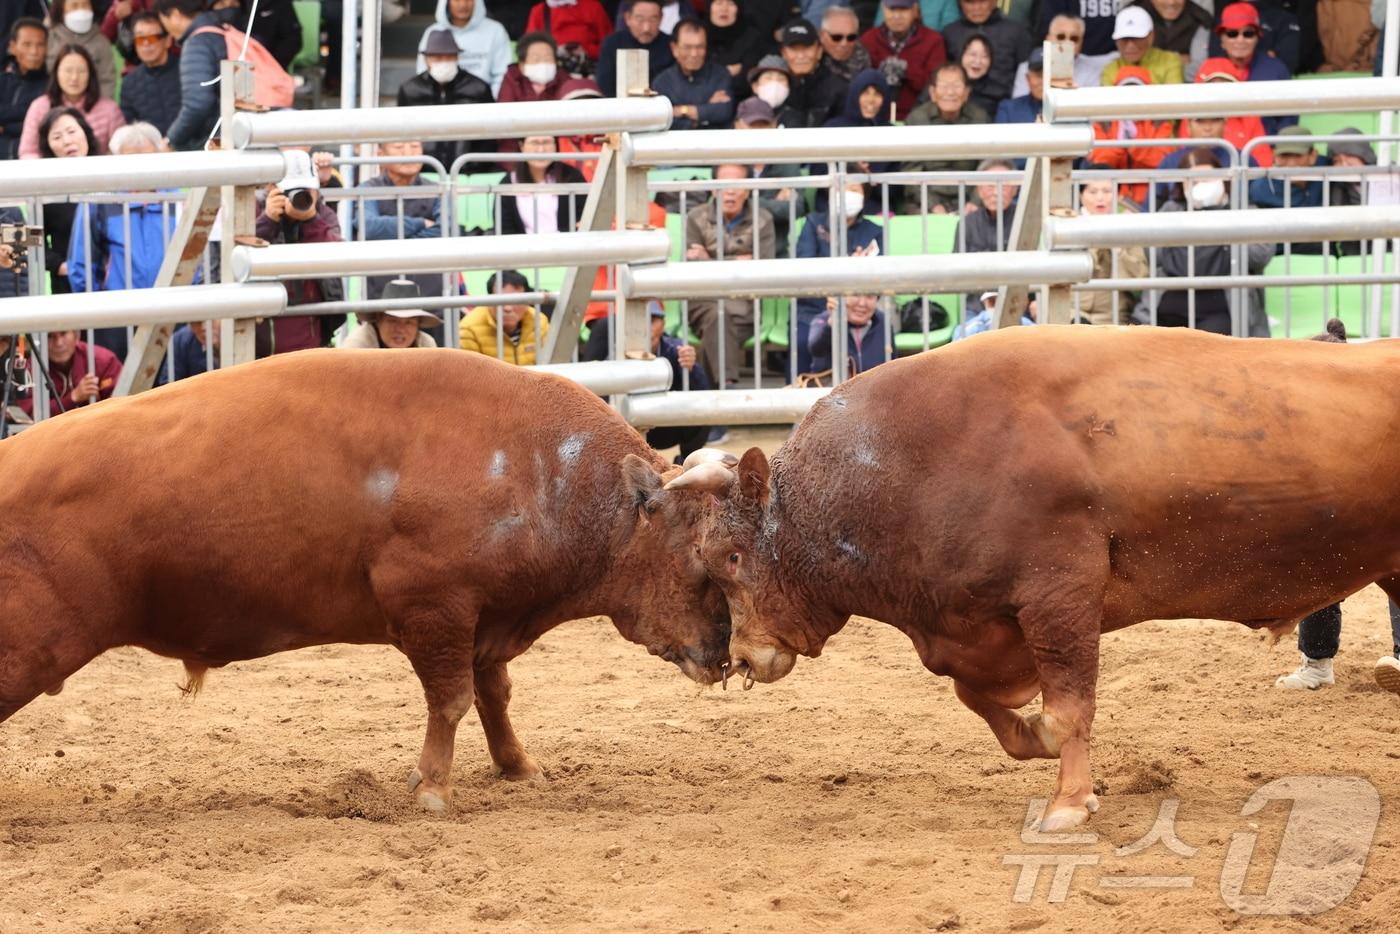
(441, 502)
(1005, 500)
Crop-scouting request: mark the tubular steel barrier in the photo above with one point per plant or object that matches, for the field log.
(26, 178)
(1219, 99)
(141, 306)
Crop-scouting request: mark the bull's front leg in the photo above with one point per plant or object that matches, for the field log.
(440, 649)
(512, 762)
(1018, 736)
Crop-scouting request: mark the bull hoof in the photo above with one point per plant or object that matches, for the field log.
(525, 769)
(432, 801)
(1060, 818)
(56, 690)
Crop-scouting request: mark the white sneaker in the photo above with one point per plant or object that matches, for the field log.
(1387, 673)
(1312, 674)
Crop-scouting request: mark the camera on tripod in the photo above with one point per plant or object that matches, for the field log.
(20, 238)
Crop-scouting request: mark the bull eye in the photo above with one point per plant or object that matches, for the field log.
(734, 561)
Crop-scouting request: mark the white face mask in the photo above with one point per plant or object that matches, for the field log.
(854, 202)
(540, 72)
(443, 72)
(772, 93)
(1208, 194)
(79, 21)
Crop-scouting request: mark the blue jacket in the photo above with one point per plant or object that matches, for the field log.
(1269, 192)
(869, 351)
(1023, 109)
(187, 356)
(200, 59)
(1173, 160)
(101, 229)
(815, 241)
(658, 50)
(697, 89)
(668, 349)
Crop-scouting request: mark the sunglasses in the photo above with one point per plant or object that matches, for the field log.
(843, 37)
(1238, 33)
(148, 40)
(1067, 37)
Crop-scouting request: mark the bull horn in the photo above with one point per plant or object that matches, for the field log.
(709, 455)
(708, 477)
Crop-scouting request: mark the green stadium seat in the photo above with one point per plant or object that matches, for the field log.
(477, 209)
(1326, 124)
(1324, 76)
(1354, 301)
(307, 62)
(1301, 311)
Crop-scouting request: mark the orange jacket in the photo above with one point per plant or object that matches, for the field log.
(1132, 157)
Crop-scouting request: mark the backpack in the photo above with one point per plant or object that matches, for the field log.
(272, 86)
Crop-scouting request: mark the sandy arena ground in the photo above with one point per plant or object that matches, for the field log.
(858, 794)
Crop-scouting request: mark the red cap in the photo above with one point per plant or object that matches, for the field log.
(1238, 16)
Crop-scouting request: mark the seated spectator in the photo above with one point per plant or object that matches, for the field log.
(444, 82)
(292, 211)
(868, 100)
(73, 384)
(395, 328)
(22, 81)
(71, 22)
(771, 82)
(578, 89)
(191, 348)
(201, 55)
(867, 340)
(905, 51)
(63, 134)
(949, 104)
(734, 43)
(1131, 157)
(571, 22)
(99, 251)
(784, 204)
(982, 320)
(1100, 21)
(1212, 306)
(72, 84)
(1066, 27)
(698, 89)
(1238, 33)
(985, 226)
(727, 228)
(976, 61)
(846, 55)
(1203, 128)
(1295, 152)
(1010, 42)
(484, 47)
(1183, 27)
(536, 76)
(1097, 197)
(1239, 130)
(1280, 36)
(545, 212)
(643, 31)
(817, 93)
(1027, 109)
(522, 329)
(1355, 154)
(1134, 36)
(151, 92)
(816, 241)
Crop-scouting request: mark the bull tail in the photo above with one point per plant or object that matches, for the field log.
(194, 679)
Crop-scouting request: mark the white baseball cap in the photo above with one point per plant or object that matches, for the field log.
(1132, 23)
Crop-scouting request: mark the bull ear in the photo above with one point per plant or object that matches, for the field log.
(753, 476)
(641, 478)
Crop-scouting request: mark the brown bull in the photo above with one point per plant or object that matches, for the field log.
(1005, 500)
(441, 502)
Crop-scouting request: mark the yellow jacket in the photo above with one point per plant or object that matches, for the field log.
(477, 333)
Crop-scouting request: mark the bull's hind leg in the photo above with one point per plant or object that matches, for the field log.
(1016, 734)
(439, 644)
(512, 762)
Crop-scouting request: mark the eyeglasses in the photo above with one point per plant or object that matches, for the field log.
(1067, 37)
(148, 40)
(1238, 33)
(843, 37)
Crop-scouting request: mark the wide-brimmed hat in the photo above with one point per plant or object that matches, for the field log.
(406, 288)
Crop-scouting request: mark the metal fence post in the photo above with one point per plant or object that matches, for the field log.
(632, 334)
(237, 344)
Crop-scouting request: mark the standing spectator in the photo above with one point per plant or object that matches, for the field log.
(1027, 108)
(292, 211)
(1134, 36)
(572, 22)
(544, 212)
(537, 75)
(1239, 34)
(68, 368)
(1087, 71)
(985, 226)
(734, 43)
(397, 328)
(106, 240)
(1010, 41)
(514, 333)
(1098, 197)
(1295, 152)
(72, 84)
(151, 92)
(483, 43)
(117, 23)
(444, 82)
(1183, 27)
(976, 61)
(949, 104)
(726, 228)
(1123, 157)
(200, 59)
(867, 343)
(63, 134)
(698, 89)
(22, 81)
(71, 23)
(643, 22)
(840, 34)
(1280, 37)
(276, 26)
(784, 204)
(1099, 23)
(905, 51)
(816, 241)
(817, 93)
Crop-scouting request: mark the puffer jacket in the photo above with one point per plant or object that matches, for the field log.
(478, 329)
(200, 58)
(421, 90)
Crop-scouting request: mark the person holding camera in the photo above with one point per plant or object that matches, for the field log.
(292, 211)
(14, 283)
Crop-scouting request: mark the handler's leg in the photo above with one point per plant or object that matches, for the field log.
(1016, 735)
(1319, 635)
(1387, 668)
(492, 685)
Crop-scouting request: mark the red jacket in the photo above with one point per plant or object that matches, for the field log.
(1133, 157)
(584, 22)
(108, 369)
(923, 51)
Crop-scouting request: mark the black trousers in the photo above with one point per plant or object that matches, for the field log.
(1320, 633)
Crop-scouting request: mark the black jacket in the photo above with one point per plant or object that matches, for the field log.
(466, 88)
(152, 94)
(814, 99)
(278, 29)
(17, 92)
(570, 206)
(12, 282)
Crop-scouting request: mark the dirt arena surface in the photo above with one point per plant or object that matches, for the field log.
(856, 795)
